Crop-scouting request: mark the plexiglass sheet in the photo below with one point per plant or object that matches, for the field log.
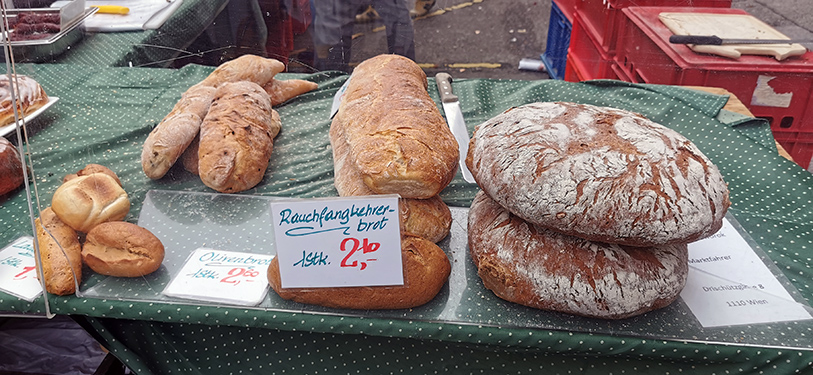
(187, 221)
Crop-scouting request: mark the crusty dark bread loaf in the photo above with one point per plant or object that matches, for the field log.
(540, 268)
(428, 218)
(397, 137)
(11, 169)
(598, 173)
(86, 201)
(59, 267)
(122, 249)
(165, 144)
(426, 269)
(237, 137)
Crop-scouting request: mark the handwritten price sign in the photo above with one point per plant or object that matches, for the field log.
(18, 271)
(222, 276)
(338, 242)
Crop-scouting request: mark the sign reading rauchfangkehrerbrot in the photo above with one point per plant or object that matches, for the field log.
(339, 242)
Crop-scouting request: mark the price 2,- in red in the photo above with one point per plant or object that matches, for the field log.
(365, 246)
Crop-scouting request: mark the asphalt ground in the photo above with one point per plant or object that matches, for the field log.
(488, 38)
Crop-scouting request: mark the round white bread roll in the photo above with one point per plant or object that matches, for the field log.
(540, 268)
(122, 249)
(86, 201)
(599, 173)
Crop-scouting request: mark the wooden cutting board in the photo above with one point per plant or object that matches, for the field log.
(730, 26)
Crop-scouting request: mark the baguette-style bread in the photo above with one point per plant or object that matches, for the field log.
(122, 249)
(250, 68)
(280, 91)
(426, 269)
(397, 137)
(60, 253)
(165, 144)
(11, 169)
(540, 268)
(86, 201)
(30, 97)
(428, 218)
(598, 173)
(237, 137)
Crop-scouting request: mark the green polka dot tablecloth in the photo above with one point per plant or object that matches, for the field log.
(104, 115)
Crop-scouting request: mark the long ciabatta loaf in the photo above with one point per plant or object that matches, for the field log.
(540, 268)
(426, 269)
(599, 173)
(237, 137)
(397, 137)
(428, 218)
(166, 143)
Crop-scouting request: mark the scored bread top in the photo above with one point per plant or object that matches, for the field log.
(397, 137)
(599, 173)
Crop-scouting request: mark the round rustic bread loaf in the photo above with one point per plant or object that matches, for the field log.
(11, 169)
(86, 201)
(598, 173)
(122, 249)
(540, 268)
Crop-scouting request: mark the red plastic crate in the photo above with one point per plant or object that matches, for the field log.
(586, 56)
(647, 57)
(602, 17)
(568, 7)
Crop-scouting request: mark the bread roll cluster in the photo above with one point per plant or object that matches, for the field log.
(588, 210)
(223, 128)
(92, 203)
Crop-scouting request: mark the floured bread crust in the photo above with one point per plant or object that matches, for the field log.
(598, 173)
(536, 267)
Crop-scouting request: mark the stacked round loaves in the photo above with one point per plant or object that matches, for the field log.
(84, 225)
(223, 128)
(588, 210)
(388, 137)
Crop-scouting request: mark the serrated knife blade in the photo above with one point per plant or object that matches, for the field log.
(454, 117)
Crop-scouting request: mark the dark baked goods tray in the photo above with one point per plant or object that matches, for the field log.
(186, 221)
(39, 50)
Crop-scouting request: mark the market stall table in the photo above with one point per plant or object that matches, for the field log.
(105, 114)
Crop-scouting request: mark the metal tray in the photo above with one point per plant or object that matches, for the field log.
(41, 50)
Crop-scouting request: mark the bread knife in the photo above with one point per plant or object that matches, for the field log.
(454, 117)
(717, 41)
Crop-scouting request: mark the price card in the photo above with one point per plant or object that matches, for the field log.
(339, 242)
(222, 276)
(728, 284)
(18, 270)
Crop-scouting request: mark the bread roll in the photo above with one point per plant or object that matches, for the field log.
(540, 268)
(165, 144)
(30, 97)
(60, 253)
(397, 137)
(599, 173)
(426, 269)
(91, 169)
(237, 137)
(87, 201)
(11, 169)
(250, 68)
(428, 218)
(122, 249)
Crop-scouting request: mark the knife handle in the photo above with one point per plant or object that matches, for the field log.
(444, 81)
(696, 39)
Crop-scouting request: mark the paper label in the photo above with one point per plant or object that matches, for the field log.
(18, 270)
(338, 242)
(222, 276)
(728, 284)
